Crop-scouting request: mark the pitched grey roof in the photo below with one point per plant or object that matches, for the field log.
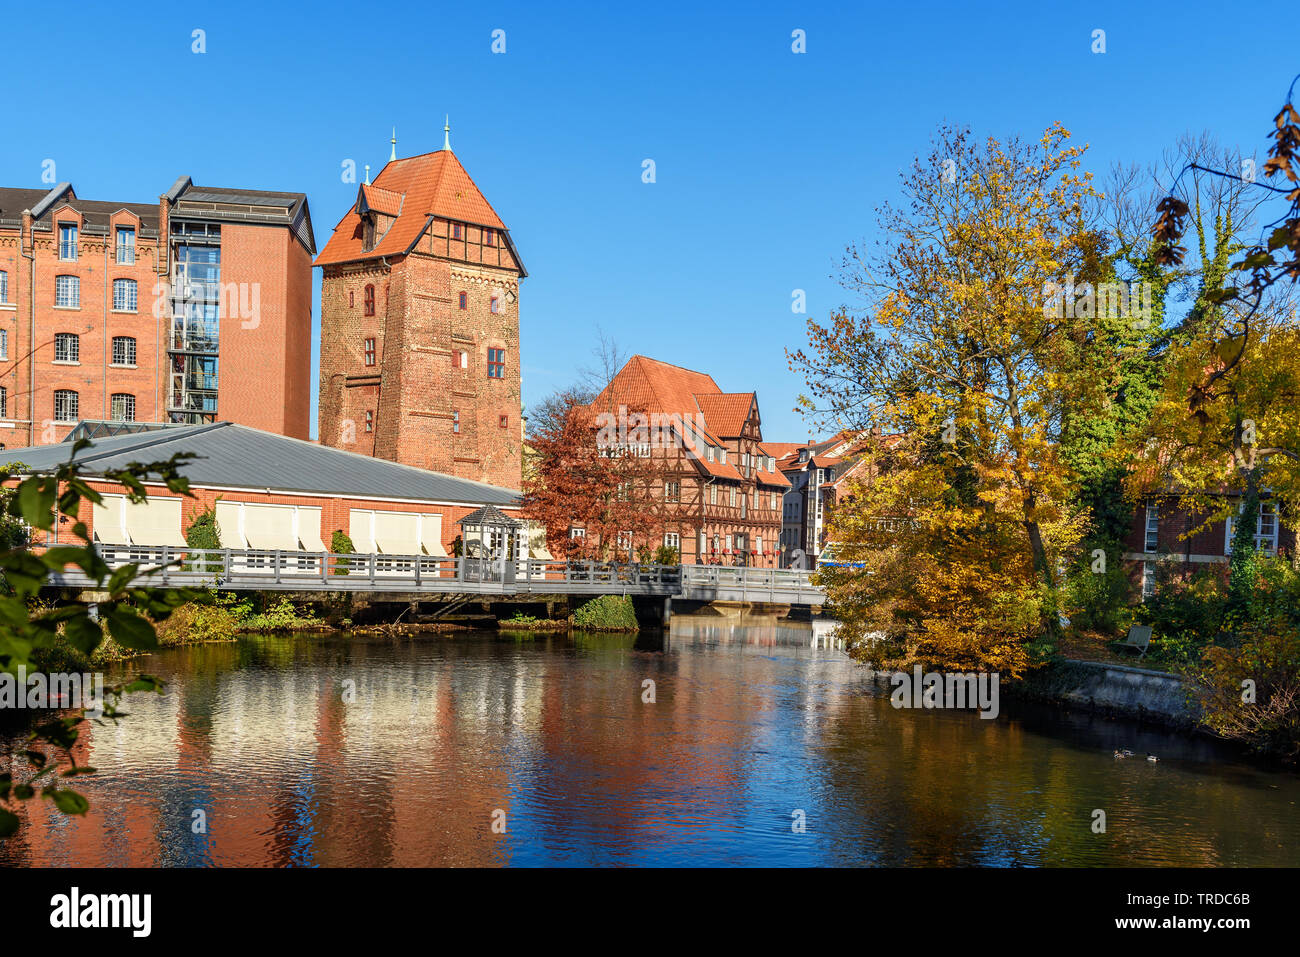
(237, 456)
(490, 515)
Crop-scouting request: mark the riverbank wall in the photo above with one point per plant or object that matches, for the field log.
(1113, 689)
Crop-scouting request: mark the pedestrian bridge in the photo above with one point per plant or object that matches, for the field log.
(415, 575)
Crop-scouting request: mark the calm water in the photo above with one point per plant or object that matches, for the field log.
(751, 723)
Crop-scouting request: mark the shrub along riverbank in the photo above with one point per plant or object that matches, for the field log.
(606, 613)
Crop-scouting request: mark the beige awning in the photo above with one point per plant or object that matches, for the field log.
(228, 525)
(270, 527)
(431, 535)
(156, 521)
(537, 542)
(397, 533)
(108, 520)
(309, 529)
(359, 530)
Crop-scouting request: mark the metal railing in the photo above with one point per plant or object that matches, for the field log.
(276, 569)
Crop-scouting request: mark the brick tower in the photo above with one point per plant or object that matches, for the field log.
(420, 325)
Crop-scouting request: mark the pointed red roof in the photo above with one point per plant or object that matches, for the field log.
(432, 184)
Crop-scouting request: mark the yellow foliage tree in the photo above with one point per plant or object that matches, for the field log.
(968, 354)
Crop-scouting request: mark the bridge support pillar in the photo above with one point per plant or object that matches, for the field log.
(667, 611)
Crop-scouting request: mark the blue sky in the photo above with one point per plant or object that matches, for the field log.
(768, 163)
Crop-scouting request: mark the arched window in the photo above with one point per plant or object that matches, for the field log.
(122, 407)
(67, 405)
(370, 300)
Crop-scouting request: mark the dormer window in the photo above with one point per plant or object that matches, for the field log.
(367, 231)
(68, 242)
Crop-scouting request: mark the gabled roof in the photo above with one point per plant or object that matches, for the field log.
(235, 456)
(433, 184)
(725, 413)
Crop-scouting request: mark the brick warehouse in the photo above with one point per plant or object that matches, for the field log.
(190, 310)
(420, 325)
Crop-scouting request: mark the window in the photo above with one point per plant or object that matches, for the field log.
(123, 351)
(464, 300)
(455, 420)
(1148, 580)
(67, 292)
(66, 405)
(68, 242)
(1152, 527)
(728, 546)
(504, 421)
(672, 491)
(4, 402)
(352, 299)
(708, 452)
(732, 491)
(122, 407)
(713, 495)
(370, 420)
(67, 347)
(1265, 529)
(624, 542)
(125, 246)
(4, 286)
(369, 300)
(460, 359)
(495, 304)
(489, 237)
(758, 544)
(577, 533)
(370, 352)
(455, 234)
(4, 344)
(124, 295)
(672, 540)
(775, 499)
(496, 363)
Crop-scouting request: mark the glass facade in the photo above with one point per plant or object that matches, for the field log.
(196, 322)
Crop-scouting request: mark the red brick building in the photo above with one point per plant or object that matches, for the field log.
(420, 325)
(1159, 537)
(186, 311)
(720, 485)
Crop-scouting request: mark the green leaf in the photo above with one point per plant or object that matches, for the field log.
(8, 823)
(130, 630)
(35, 503)
(83, 634)
(70, 802)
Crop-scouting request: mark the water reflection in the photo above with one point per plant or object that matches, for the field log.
(357, 752)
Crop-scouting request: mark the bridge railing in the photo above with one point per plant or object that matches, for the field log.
(266, 568)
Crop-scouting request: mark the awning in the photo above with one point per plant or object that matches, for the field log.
(397, 533)
(309, 529)
(270, 527)
(537, 542)
(359, 530)
(108, 521)
(431, 535)
(156, 521)
(228, 525)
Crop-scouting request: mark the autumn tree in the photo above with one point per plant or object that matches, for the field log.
(968, 344)
(612, 490)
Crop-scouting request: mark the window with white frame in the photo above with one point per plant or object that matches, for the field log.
(67, 292)
(672, 491)
(67, 347)
(68, 242)
(624, 543)
(1265, 529)
(732, 491)
(4, 343)
(123, 351)
(1152, 527)
(672, 540)
(577, 533)
(4, 287)
(713, 495)
(4, 402)
(122, 407)
(124, 295)
(1148, 580)
(66, 405)
(125, 245)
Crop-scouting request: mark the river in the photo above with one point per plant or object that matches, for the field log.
(761, 746)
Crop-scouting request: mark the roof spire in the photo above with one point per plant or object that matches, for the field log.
(446, 133)
(393, 154)
(367, 174)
